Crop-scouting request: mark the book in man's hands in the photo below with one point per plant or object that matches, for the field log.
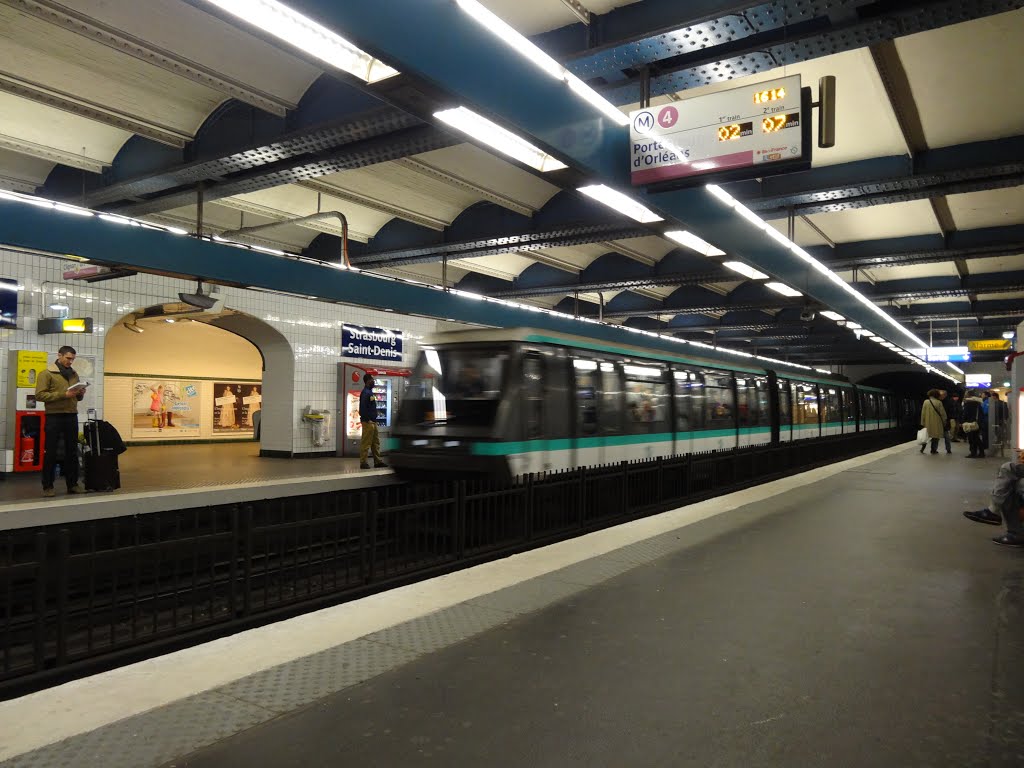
(74, 389)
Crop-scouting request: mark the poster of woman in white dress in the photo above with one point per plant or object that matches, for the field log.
(234, 404)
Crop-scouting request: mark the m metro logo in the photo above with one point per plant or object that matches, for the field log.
(643, 122)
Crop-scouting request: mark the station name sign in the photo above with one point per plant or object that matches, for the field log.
(943, 354)
(370, 343)
(754, 126)
(989, 345)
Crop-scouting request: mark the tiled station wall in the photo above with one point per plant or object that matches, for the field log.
(311, 328)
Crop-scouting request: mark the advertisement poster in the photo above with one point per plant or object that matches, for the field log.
(166, 409)
(234, 404)
(29, 364)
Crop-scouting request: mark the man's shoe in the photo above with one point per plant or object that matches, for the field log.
(986, 516)
(76, 489)
(379, 464)
(364, 465)
(49, 492)
(1009, 540)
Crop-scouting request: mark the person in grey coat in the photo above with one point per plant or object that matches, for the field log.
(933, 418)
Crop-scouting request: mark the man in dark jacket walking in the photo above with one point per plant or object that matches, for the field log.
(368, 419)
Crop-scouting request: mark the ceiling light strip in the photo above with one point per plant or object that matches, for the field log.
(493, 135)
(543, 61)
(302, 32)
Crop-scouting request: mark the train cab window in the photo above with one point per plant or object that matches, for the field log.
(719, 404)
(533, 395)
(689, 400)
(805, 403)
(457, 387)
(785, 414)
(647, 404)
(586, 379)
(611, 399)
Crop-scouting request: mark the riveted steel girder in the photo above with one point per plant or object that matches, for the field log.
(359, 154)
(884, 180)
(710, 43)
(511, 243)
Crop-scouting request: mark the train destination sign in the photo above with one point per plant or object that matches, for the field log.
(754, 126)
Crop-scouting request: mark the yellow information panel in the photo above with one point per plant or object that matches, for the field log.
(29, 365)
(988, 345)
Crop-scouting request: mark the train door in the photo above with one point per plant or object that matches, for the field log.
(806, 423)
(689, 407)
(647, 413)
(831, 413)
(536, 456)
(718, 430)
(785, 410)
(588, 445)
(846, 406)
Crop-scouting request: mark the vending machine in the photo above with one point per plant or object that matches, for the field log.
(388, 390)
(27, 416)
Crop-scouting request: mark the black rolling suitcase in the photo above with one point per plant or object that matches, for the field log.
(100, 457)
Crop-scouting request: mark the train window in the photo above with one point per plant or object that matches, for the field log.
(689, 400)
(805, 403)
(646, 399)
(533, 395)
(461, 387)
(611, 399)
(719, 405)
(785, 418)
(587, 393)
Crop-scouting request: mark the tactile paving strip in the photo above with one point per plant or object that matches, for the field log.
(152, 738)
(528, 596)
(589, 573)
(289, 686)
(440, 629)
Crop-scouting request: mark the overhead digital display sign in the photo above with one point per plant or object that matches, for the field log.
(754, 126)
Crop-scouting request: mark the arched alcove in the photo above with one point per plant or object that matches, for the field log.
(195, 365)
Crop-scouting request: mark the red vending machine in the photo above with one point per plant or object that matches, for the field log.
(390, 385)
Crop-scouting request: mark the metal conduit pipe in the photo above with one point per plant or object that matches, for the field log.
(303, 220)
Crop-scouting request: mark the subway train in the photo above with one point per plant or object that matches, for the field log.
(503, 403)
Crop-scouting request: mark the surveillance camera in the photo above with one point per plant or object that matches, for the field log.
(808, 315)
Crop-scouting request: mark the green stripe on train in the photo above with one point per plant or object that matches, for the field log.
(565, 444)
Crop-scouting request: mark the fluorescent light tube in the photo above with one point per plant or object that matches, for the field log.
(784, 289)
(750, 216)
(832, 315)
(743, 269)
(620, 202)
(496, 137)
(305, 34)
(512, 38)
(853, 326)
(526, 48)
(876, 338)
(691, 241)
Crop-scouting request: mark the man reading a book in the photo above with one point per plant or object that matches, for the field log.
(59, 388)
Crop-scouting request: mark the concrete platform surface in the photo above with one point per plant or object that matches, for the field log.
(847, 617)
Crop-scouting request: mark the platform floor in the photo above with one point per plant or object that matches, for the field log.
(148, 468)
(849, 616)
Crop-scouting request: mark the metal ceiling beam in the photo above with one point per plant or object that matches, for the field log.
(59, 15)
(358, 154)
(881, 181)
(712, 42)
(570, 234)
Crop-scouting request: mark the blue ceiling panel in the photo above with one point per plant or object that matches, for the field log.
(614, 266)
(542, 274)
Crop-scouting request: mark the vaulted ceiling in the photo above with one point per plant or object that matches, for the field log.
(171, 112)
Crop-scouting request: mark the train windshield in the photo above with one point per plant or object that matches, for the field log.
(456, 388)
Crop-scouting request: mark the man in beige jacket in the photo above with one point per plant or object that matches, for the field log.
(61, 419)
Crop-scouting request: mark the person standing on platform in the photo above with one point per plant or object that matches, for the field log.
(52, 389)
(368, 418)
(933, 418)
(974, 423)
(947, 406)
